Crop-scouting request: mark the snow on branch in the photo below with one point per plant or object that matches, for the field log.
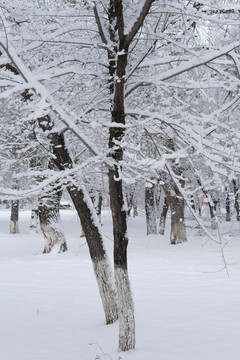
(68, 119)
(201, 60)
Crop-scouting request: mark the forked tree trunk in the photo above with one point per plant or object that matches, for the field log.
(150, 209)
(178, 227)
(49, 218)
(163, 217)
(14, 228)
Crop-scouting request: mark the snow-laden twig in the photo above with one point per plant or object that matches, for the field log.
(68, 119)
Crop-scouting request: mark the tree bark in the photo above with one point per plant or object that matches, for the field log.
(118, 207)
(163, 217)
(49, 218)
(34, 217)
(99, 207)
(176, 203)
(212, 215)
(228, 211)
(236, 199)
(150, 210)
(14, 228)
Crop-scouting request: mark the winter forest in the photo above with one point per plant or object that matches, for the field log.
(119, 179)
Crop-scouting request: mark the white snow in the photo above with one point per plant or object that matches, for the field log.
(185, 307)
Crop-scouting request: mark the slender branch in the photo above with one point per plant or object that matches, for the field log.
(120, 20)
(99, 25)
(138, 23)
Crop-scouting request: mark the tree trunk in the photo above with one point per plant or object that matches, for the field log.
(178, 228)
(94, 237)
(34, 217)
(212, 215)
(236, 199)
(129, 197)
(163, 217)
(228, 211)
(49, 218)
(150, 209)
(99, 207)
(125, 300)
(90, 225)
(135, 203)
(192, 201)
(14, 217)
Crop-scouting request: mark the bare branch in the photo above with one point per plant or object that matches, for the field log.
(99, 24)
(120, 21)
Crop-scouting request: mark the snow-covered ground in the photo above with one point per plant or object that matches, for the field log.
(186, 307)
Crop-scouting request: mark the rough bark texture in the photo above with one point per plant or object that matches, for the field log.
(126, 323)
(14, 217)
(34, 221)
(34, 216)
(49, 218)
(163, 217)
(176, 203)
(212, 215)
(236, 199)
(99, 207)
(228, 211)
(150, 210)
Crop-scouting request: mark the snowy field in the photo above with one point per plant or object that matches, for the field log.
(186, 307)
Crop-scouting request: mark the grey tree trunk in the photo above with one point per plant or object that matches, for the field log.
(34, 221)
(14, 227)
(212, 215)
(163, 217)
(99, 207)
(34, 217)
(135, 204)
(49, 218)
(228, 211)
(150, 210)
(236, 199)
(176, 204)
